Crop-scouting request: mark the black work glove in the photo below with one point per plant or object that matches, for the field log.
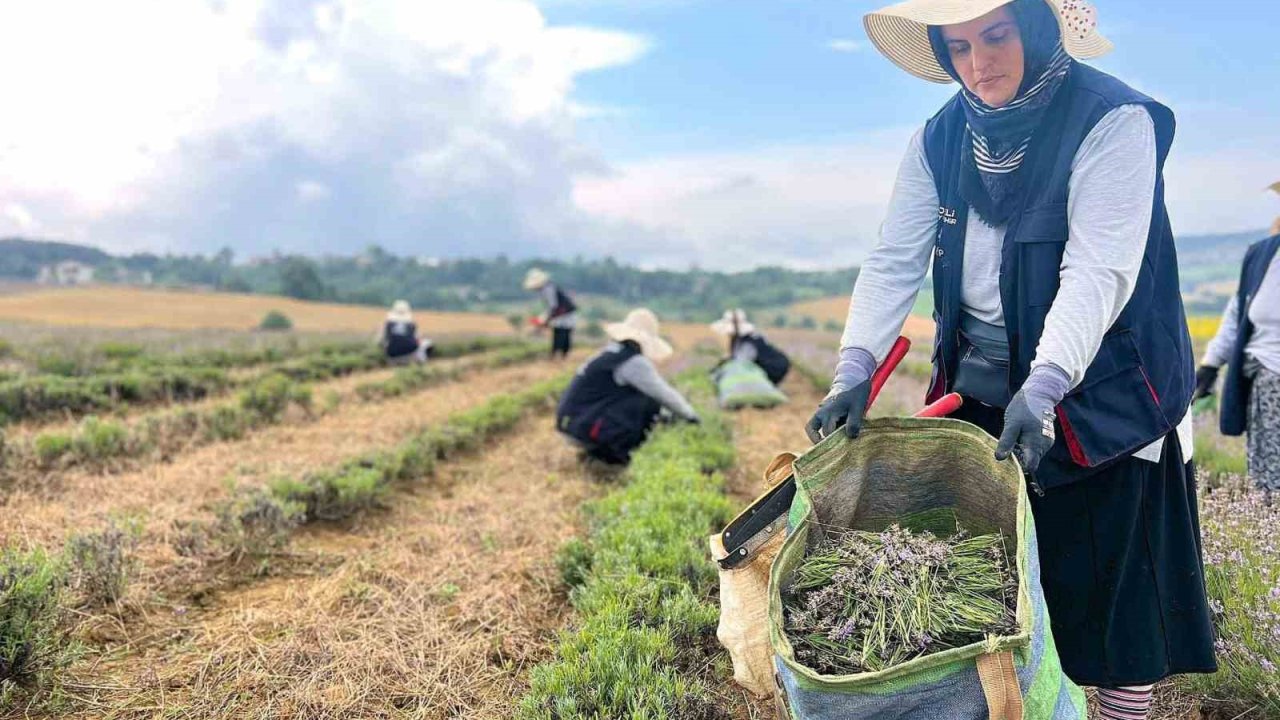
(1206, 378)
(844, 408)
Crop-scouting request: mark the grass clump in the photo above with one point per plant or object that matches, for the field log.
(31, 648)
(256, 523)
(102, 562)
(98, 439)
(864, 602)
(51, 447)
(642, 586)
(275, 321)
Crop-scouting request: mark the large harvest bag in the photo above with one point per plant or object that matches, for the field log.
(936, 475)
(741, 383)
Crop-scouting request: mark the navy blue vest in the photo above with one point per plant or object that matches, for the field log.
(564, 303)
(401, 338)
(771, 360)
(596, 409)
(1237, 386)
(1139, 385)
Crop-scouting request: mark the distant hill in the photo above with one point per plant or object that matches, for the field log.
(1209, 266)
(377, 277)
(22, 259)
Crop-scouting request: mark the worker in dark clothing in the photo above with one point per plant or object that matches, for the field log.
(746, 343)
(561, 314)
(618, 395)
(399, 336)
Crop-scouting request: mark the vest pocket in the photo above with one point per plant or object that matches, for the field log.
(1040, 239)
(1114, 411)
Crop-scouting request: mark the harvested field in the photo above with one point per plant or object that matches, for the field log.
(431, 609)
(123, 307)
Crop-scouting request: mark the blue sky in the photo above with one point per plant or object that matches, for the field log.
(723, 133)
(732, 74)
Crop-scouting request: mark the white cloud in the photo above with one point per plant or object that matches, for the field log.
(312, 191)
(802, 205)
(191, 124)
(844, 45)
(20, 217)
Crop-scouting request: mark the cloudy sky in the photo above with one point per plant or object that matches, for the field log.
(726, 133)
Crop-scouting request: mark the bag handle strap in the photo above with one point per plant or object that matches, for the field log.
(999, 680)
(779, 469)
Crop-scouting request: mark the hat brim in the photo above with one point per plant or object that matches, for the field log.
(400, 317)
(901, 33)
(726, 328)
(1275, 187)
(653, 347)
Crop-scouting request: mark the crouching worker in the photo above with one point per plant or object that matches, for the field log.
(746, 343)
(399, 336)
(617, 396)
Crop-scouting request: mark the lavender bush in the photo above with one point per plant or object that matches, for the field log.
(868, 601)
(1241, 531)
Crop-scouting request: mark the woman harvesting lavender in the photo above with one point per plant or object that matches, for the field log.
(1037, 193)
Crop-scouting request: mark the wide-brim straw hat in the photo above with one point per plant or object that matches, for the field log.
(1275, 187)
(536, 279)
(641, 325)
(400, 311)
(734, 322)
(901, 32)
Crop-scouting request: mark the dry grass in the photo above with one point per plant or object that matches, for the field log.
(431, 610)
(123, 307)
(836, 309)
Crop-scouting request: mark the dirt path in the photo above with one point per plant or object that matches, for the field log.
(435, 608)
(161, 493)
(760, 435)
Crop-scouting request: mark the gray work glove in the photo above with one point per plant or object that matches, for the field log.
(847, 402)
(843, 408)
(1028, 421)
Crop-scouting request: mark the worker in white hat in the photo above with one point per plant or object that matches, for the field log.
(747, 343)
(399, 336)
(1036, 197)
(1248, 344)
(618, 395)
(561, 314)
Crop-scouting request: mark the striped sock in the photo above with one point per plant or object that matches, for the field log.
(1131, 703)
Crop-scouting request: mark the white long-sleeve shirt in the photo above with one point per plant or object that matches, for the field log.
(551, 297)
(1109, 204)
(640, 373)
(1264, 312)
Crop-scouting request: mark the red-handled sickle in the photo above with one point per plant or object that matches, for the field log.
(900, 348)
(941, 407)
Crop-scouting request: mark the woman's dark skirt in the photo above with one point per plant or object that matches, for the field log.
(1121, 567)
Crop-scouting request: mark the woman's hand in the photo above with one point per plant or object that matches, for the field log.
(841, 408)
(1028, 420)
(1206, 378)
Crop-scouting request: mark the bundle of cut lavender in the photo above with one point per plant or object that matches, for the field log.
(865, 601)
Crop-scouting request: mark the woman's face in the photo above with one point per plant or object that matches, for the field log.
(987, 55)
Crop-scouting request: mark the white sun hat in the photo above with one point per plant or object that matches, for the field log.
(901, 32)
(734, 322)
(536, 279)
(400, 311)
(641, 325)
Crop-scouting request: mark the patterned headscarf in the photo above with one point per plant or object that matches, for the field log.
(989, 178)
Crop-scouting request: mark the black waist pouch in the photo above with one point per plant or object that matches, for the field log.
(983, 370)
